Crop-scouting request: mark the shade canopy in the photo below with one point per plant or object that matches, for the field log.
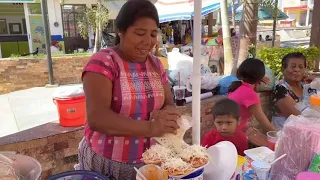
(169, 10)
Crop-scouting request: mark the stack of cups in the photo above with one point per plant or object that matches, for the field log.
(261, 169)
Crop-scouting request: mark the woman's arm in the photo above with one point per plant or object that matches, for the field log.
(168, 101)
(256, 110)
(287, 107)
(100, 117)
(284, 101)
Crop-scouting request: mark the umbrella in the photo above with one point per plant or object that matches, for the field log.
(263, 14)
(171, 10)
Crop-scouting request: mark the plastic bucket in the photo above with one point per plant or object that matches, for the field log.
(239, 169)
(76, 175)
(72, 111)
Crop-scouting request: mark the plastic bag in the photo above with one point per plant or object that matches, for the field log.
(267, 87)
(224, 84)
(69, 91)
(210, 81)
(300, 139)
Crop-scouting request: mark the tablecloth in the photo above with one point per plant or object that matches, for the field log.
(248, 173)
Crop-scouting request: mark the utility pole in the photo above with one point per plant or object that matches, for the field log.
(44, 10)
(274, 28)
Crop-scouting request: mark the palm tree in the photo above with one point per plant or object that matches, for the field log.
(95, 18)
(227, 48)
(248, 28)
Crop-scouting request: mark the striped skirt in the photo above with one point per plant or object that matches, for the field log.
(89, 160)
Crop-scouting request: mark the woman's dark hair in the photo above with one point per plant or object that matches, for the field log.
(286, 59)
(232, 32)
(250, 71)
(131, 11)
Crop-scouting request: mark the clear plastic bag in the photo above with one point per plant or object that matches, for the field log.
(300, 140)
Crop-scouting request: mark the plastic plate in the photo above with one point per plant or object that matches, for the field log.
(260, 154)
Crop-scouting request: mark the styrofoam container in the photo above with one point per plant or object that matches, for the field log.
(260, 154)
(197, 175)
(240, 168)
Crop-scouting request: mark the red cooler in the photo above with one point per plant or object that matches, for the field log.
(71, 105)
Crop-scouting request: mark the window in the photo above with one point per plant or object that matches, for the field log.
(3, 26)
(70, 16)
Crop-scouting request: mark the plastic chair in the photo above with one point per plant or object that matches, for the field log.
(79, 175)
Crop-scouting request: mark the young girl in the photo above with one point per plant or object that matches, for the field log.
(250, 73)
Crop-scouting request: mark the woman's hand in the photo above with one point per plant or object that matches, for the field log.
(164, 121)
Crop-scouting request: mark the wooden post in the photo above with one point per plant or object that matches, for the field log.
(210, 24)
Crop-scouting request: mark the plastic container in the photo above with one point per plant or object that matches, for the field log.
(198, 175)
(272, 139)
(76, 175)
(240, 168)
(151, 171)
(315, 102)
(261, 169)
(71, 105)
(27, 168)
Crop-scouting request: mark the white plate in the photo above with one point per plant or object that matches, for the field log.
(260, 154)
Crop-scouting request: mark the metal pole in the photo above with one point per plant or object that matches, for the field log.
(44, 9)
(196, 74)
(274, 28)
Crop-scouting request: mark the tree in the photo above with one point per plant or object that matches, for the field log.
(315, 30)
(233, 11)
(227, 48)
(95, 18)
(248, 29)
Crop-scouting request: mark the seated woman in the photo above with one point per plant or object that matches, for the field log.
(289, 90)
(250, 73)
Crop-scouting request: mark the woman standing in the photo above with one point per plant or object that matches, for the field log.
(251, 72)
(289, 90)
(124, 88)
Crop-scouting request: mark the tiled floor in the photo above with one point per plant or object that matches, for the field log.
(25, 109)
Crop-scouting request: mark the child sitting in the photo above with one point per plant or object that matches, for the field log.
(226, 118)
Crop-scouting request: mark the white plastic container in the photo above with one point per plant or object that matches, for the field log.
(27, 168)
(261, 169)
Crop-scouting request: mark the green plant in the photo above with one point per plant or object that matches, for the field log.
(272, 57)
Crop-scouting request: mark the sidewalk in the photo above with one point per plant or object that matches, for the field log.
(25, 109)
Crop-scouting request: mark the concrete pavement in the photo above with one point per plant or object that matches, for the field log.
(25, 109)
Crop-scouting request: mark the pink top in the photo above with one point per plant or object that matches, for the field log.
(137, 91)
(245, 96)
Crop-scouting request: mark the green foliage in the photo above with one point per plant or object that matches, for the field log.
(92, 18)
(272, 57)
(215, 34)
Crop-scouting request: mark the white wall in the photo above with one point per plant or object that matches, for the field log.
(54, 12)
(13, 19)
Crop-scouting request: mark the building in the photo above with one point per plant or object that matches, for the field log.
(298, 10)
(22, 31)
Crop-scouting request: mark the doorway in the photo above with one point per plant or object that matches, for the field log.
(72, 39)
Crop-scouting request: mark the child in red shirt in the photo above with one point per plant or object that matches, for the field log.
(226, 118)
